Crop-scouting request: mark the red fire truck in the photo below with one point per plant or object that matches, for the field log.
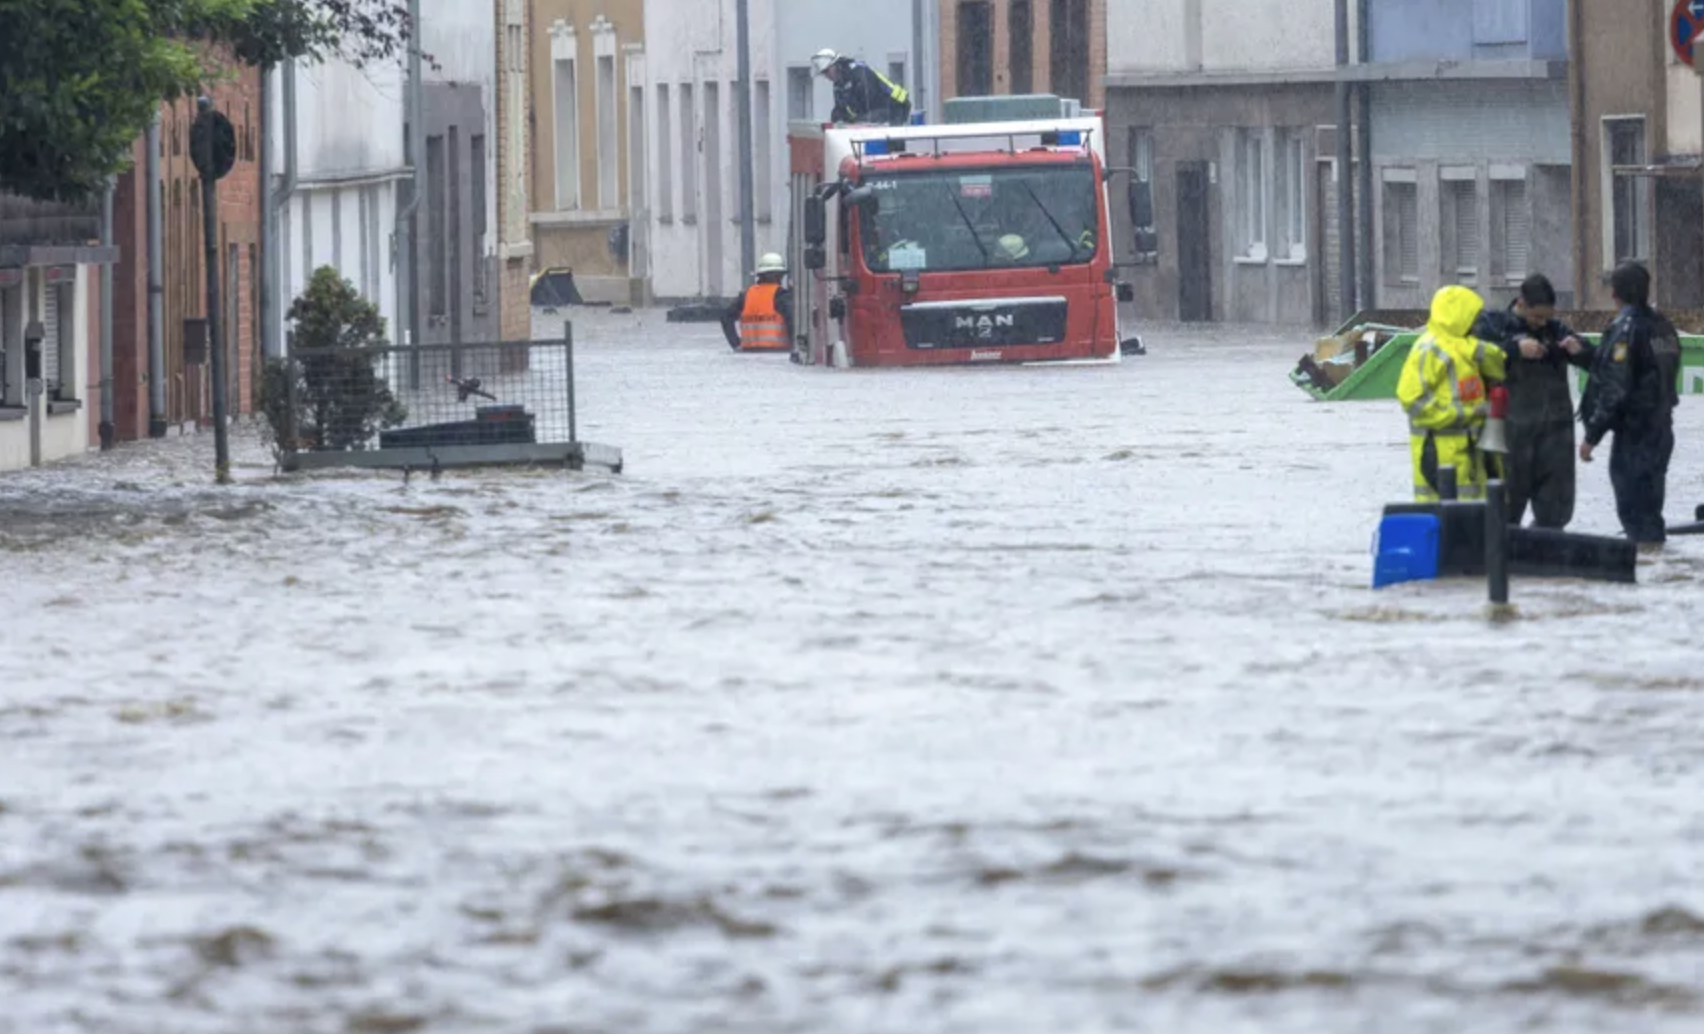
(981, 242)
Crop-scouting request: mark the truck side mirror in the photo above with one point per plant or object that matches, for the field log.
(1141, 203)
(816, 257)
(34, 332)
(1126, 291)
(816, 223)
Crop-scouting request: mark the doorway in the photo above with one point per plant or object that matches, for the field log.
(1194, 252)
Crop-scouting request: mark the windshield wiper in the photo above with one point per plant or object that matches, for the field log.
(968, 225)
(1069, 243)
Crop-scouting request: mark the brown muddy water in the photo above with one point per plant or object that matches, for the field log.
(1013, 700)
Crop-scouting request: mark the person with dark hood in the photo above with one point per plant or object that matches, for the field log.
(1539, 466)
(1632, 392)
(862, 94)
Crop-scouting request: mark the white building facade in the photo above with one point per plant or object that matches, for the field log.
(688, 228)
(341, 210)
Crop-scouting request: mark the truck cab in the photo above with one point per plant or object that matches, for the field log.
(986, 242)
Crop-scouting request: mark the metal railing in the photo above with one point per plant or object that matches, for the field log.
(433, 406)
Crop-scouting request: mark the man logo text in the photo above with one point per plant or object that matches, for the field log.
(983, 326)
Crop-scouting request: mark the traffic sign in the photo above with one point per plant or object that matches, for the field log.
(1684, 25)
(213, 144)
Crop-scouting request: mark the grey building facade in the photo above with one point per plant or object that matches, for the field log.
(1470, 148)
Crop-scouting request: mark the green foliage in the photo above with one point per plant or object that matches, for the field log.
(81, 79)
(341, 402)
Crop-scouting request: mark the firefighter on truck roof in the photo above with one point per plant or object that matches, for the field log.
(761, 318)
(862, 94)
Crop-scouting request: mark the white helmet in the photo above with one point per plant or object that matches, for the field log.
(771, 263)
(823, 60)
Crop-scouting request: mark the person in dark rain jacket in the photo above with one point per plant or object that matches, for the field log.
(1632, 393)
(862, 94)
(1539, 466)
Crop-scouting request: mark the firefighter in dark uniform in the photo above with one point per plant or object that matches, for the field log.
(761, 318)
(862, 94)
(1632, 392)
(1539, 466)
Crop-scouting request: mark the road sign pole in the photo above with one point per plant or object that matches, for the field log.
(208, 164)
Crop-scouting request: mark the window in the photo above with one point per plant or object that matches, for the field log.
(1401, 227)
(688, 154)
(609, 161)
(1142, 194)
(11, 346)
(53, 333)
(763, 135)
(896, 72)
(517, 48)
(1511, 230)
(1292, 198)
(982, 218)
(665, 156)
(1629, 210)
(1251, 193)
(975, 48)
(1020, 44)
(1069, 29)
(437, 244)
(1460, 225)
(636, 152)
(565, 101)
(801, 95)
(481, 226)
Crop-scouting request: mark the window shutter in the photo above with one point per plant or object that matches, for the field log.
(50, 340)
(1466, 226)
(1408, 222)
(1517, 230)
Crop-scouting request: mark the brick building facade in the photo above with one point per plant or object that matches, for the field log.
(1024, 46)
(188, 394)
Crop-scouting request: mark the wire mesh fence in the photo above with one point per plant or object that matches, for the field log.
(432, 405)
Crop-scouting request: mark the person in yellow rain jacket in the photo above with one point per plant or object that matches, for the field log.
(1443, 391)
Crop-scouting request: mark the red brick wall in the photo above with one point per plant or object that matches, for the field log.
(1040, 49)
(188, 388)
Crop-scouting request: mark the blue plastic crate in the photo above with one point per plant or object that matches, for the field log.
(1405, 549)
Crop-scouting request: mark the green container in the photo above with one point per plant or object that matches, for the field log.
(1376, 379)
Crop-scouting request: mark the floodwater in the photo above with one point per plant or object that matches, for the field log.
(992, 700)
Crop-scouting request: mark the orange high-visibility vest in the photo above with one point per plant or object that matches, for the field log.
(761, 327)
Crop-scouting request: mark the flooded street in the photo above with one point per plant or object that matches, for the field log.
(991, 700)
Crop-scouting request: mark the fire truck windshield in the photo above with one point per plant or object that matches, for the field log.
(1001, 217)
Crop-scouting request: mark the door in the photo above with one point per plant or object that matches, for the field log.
(1194, 254)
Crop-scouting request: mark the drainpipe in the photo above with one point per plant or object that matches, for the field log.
(106, 426)
(1345, 176)
(272, 340)
(1577, 85)
(748, 194)
(1364, 157)
(918, 96)
(414, 104)
(156, 292)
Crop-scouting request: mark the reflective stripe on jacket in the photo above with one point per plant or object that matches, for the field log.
(1442, 387)
(762, 328)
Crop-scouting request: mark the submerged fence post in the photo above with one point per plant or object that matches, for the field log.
(1497, 542)
(568, 358)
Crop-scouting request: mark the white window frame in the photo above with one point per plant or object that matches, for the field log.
(1253, 194)
(607, 101)
(797, 76)
(1451, 181)
(565, 113)
(1642, 191)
